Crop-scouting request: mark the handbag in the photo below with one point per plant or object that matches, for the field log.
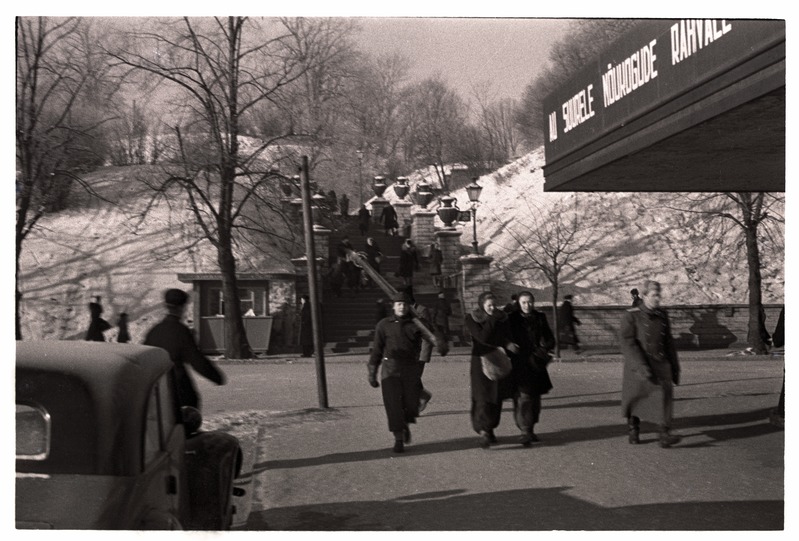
(496, 364)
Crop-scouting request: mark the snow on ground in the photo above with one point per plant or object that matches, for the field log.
(128, 259)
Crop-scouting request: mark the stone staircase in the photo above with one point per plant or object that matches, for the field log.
(349, 321)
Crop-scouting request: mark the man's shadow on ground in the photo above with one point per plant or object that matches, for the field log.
(702, 424)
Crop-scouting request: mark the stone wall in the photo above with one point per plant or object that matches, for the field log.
(693, 327)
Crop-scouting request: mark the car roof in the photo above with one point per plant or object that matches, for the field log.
(96, 395)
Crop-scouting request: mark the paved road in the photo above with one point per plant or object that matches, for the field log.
(333, 469)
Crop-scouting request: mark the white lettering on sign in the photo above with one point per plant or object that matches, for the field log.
(692, 35)
(630, 74)
(578, 109)
(553, 126)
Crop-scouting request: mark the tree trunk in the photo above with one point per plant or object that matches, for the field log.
(757, 324)
(236, 344)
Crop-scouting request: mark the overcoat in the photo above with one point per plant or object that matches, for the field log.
(306, 328)
(487, 332)
(532, 334)
(436, 259)
(566, 322)
(396, 346)
(372, 254)
(408, 261)
(173, 336)
(650, 364)
(389, 217)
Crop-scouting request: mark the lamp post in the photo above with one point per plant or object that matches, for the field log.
(359, 153)
(474, 190)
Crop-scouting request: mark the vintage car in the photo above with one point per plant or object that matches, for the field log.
(101, 443)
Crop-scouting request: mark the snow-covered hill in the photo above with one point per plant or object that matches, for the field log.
(113, 251)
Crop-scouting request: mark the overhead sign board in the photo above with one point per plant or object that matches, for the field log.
(653, 64)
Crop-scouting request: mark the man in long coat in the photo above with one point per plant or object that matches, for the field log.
(651, 367)
(173, 336)
(395, 351)
(529, 378)
(566, 322)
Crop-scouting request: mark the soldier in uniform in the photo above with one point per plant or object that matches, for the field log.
(396, 347)
(651, 367)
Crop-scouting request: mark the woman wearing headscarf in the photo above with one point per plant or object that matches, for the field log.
(489, 329)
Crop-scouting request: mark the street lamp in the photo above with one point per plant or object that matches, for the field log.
(473, 190)
(359, 152)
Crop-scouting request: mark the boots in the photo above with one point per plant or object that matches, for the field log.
(399, 443)
(667, 439)
(634, 430)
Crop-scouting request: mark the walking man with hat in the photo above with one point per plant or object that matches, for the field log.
(397, 343)
(176, 338)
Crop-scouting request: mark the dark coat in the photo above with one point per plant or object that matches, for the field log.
(344, 205)
(436, 259)
(306, 329)
(408, 261)
(650, 361)
(535, 340)
(372, 253)
(441, 312)
(124, 334)
(396, 347)
(97, 325)
(566, 322)
(364, 216)
(173, 336)
(778, 338)
(389, 217)
(487, 332)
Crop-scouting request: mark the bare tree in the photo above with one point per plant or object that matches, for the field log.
(581, 43)
(219, 70)
(550, 242)
(57, 80)
(434, 114)
(497, 125)
(754, 214)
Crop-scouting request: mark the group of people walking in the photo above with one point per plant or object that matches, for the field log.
(511, 349)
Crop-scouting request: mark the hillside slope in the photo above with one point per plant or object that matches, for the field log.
(114, 250)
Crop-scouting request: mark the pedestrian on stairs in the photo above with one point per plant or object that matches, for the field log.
(364, 217)
(344, 206)
(373, 254)
(389, 219)
(408, 262)
(395, 351)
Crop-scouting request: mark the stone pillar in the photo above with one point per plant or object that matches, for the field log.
(403, 209)
(378, 204)
(449, 241)
(475, 279)
(423, 228)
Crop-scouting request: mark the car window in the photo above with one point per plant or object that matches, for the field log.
(33, 433)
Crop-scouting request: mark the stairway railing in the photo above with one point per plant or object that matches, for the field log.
(440, 344)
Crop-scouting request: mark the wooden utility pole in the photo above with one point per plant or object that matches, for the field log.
(313, 288)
